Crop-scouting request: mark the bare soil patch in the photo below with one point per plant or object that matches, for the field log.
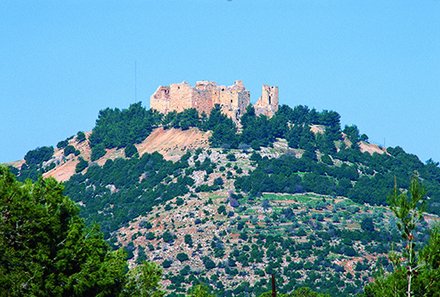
(173, 143)
(371, 148)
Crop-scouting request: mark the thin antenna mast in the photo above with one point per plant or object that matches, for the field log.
(135, 80)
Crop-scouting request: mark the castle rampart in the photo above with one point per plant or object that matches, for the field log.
(205, 95)
(267, 104)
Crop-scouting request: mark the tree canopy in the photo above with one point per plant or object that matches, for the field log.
(415, 272)
(46, 249)
(119, 128)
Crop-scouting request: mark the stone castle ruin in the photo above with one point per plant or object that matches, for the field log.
(267, 104)
(206, 94)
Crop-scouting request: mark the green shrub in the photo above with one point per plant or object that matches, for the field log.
(98, 151)
(82, 164)
(131, 151)
(231, 157)
(39, 155)
(182, 257)
(80, 137)
(70, 150)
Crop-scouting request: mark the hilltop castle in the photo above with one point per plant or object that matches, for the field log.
(206, 94)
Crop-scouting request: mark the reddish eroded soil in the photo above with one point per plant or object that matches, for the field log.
(66, 165)
(173, 143)
(371, 148)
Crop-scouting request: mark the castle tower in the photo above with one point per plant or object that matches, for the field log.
(267, 104)
(233, 100)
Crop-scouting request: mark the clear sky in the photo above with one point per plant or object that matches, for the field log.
(377, 63)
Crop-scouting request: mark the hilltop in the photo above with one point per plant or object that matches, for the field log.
(228, 200)
(203, 97)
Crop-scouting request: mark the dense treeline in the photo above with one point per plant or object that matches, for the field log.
(126, 188)
(362, 177)
(119, 128)
(47, 250)
(34, 165)
(39, 155)
(369, 180)
(292, 124)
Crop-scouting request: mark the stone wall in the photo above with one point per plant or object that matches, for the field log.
(267, 104)
(205, 95)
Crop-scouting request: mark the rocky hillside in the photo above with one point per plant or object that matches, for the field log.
(294, 195)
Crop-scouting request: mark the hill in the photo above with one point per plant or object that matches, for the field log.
(228, 204)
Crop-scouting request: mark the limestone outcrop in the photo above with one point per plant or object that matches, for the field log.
(206, 94)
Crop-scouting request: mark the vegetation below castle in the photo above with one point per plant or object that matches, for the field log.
(47, 250)
(341, 167)
(284, 195)
(140, 183)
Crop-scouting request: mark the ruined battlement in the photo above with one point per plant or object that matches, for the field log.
(267, 104)
(206, 94)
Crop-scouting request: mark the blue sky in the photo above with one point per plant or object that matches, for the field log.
(377, 63)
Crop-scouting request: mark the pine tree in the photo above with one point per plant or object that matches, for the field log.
(415, 273)
(45, 247)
